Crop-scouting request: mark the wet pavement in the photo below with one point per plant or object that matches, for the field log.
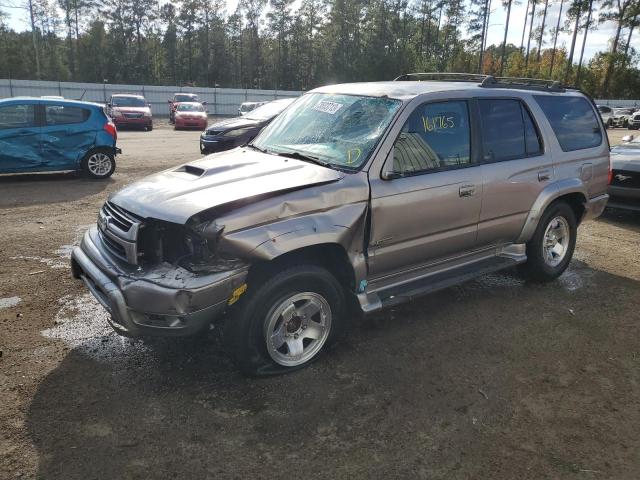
(495, 378)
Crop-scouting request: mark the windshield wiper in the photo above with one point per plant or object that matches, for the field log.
(304, 158)
(262, 150)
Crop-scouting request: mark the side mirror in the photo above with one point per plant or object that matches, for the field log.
(204, 103)
(387, 170)
(149, 105)
(627, 138)
(169, 101)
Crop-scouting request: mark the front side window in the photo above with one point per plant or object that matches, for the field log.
(65, 115)
(337, 130)
(17, 116)
(573, 121)
(435, 137)
(508, 131)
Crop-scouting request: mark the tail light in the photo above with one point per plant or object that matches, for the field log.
(110, 128)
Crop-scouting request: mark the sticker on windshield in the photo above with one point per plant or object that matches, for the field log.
(328, 107)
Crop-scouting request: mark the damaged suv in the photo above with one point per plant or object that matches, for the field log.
(358, 197)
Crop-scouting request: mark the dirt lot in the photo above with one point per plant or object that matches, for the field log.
(491, 379)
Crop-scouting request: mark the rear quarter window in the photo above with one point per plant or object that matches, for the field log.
(573, 121)
(65, 115)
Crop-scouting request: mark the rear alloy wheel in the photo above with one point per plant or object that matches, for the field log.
(99, 164)
(551, 248)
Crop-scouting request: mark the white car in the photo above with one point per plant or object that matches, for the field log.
(606, 113)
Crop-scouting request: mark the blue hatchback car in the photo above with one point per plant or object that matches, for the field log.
(45, 135)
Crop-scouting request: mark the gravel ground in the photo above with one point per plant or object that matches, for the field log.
(494, 378)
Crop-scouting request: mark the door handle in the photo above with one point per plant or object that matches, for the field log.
(544, 175)
(467, 190)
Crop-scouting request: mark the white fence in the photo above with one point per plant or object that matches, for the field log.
(221, 101)
(619, 103)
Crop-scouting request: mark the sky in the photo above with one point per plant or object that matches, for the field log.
(596, 41)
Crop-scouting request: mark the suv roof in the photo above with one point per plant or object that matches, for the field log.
(127, 95)
(411, 85)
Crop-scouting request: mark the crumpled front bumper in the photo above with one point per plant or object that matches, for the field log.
(163, 300)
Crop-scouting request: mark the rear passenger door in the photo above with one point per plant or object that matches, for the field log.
(427, 206)
(66, 135)
(516, 168)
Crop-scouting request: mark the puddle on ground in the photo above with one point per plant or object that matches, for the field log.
(82, 324)
(9, 302)
(573, 279)
(497, 280)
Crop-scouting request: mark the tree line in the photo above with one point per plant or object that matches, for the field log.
(288, 45)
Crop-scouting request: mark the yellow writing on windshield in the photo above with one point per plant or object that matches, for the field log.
(437, 123)
(353, 155)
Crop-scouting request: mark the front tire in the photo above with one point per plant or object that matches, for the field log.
(285, 321)
(99, 164)
(551, 248)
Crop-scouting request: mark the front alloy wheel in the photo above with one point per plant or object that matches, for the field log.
(286, 319)
(297, 328)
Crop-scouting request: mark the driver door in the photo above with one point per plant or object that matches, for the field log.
(428, 205)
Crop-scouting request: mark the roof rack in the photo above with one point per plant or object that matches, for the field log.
(487, 81)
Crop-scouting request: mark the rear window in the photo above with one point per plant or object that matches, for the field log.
(65, 115)
(573, 121)
(508, 132)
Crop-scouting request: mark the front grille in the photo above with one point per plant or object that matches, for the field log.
(119, 231)
(114, 247)
(123, 219)
(626, 178)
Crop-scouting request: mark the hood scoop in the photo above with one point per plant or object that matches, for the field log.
(237, 175)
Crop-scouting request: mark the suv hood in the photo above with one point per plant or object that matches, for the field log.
(177, 194)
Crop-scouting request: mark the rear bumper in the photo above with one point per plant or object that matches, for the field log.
(595, 206)
(163, 300)
(624, 198)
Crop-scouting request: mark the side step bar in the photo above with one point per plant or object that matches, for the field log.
(406, 292)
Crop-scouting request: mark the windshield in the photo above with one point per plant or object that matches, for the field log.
(623, 111)
(185, 98)
(190, 108)
(267, 111)
(341, 130)
(128, 102)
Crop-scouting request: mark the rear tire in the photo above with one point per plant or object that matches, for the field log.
(99, 163)
(286, 320)
(551, 248)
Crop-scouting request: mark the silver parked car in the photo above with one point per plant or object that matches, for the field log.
(357, 197)
(606, 113)
(624, 188)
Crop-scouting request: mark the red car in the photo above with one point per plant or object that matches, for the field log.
(190, 115)
(180, 98)
(130, 111)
